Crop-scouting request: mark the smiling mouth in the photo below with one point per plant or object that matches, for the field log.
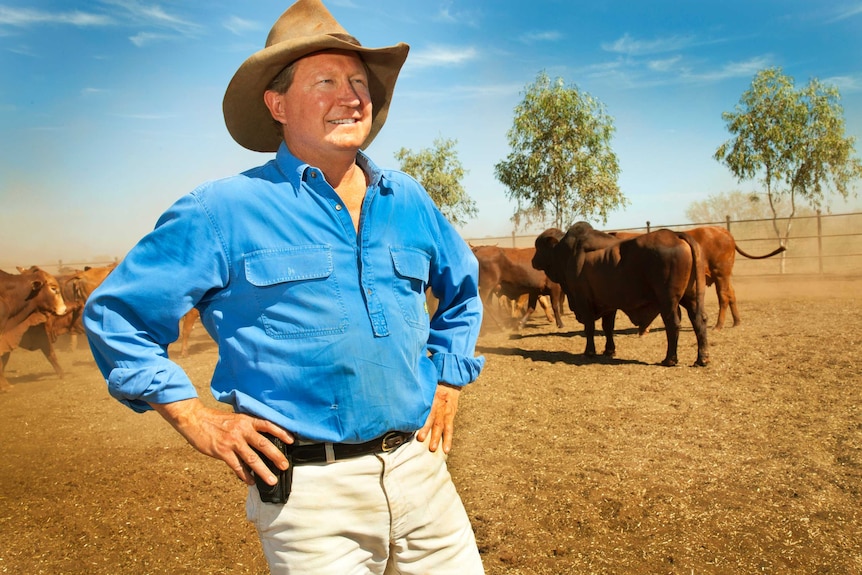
(343, 122)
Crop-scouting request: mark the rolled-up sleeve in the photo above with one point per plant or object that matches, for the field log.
(455, 326)
(132, 317)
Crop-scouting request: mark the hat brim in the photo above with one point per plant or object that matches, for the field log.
(248, 119)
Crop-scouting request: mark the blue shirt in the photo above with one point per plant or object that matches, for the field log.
(321, 331)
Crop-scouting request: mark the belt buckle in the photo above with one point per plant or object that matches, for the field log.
(392, 440)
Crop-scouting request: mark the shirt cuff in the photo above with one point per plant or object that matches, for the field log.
(137, 388)
(457, 369)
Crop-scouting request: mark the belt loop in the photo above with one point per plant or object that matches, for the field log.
(330, 452)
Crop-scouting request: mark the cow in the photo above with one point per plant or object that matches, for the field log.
(186, 326)
(719, 249)
(34, 290)
(31, 334)
(645, 276)
(508, 272)
(76, 288)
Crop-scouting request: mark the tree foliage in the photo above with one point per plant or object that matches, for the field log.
(561, 166)
(440, 172)
(793, 139)
(738, 206)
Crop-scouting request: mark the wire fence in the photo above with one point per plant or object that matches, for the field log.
(824, 244)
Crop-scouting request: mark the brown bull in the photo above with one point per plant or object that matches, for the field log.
(645, 276)
(509, 272)
(719, 250)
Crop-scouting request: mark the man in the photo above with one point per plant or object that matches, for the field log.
(310, 273)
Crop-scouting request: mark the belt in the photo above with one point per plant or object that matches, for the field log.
(328, 452)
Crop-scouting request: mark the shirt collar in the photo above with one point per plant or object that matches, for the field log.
(295, 169)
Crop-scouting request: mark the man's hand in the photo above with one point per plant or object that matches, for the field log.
(227, 436)
(441, 420)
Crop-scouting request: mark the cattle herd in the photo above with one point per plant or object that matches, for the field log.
(36, 308)
(597, 273)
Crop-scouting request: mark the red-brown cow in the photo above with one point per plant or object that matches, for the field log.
(34, 290)
(652, 274)
(187, 324)
(719, 249)
(76, 288)
(508, 271)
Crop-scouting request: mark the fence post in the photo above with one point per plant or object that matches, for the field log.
(727, 222)
(513, 238)
(819, 244)
(647, 226)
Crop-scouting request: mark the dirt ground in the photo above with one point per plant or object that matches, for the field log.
(751, 465)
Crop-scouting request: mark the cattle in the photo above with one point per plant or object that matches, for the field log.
(719, 249)
(31, 334)
(186, 326)
(509, 272)
(76, 287)
(40, 331)
(34, 290)
(649, 275)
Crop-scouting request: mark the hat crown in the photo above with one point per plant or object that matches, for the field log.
(303, 19)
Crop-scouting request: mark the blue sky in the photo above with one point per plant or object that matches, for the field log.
(111, 109)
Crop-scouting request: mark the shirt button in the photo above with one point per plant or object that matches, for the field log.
(313, 174)
(368, 291)
(338, 207)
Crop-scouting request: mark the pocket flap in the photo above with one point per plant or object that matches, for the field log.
(411, 263)
(270, 267)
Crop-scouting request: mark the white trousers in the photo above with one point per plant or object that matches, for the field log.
(394, 513)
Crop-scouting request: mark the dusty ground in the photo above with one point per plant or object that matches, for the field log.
(621, 466)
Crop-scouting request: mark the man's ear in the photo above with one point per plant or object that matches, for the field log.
(275, 103)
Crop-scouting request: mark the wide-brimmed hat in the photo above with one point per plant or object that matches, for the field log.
(304, 28)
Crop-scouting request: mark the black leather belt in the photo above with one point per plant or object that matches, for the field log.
(323, 452)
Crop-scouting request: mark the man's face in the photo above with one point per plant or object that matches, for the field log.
(328, 106)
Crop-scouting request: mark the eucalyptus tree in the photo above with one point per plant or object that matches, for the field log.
(561, 166)
(737, 205)
(440, 172)
(793, 140)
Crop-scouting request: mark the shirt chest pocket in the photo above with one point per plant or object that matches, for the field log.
(297, 291)
(410, 281)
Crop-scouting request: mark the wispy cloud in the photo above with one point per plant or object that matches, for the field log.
(442, 56)
(629, 46)
(742, 69)
(157, 24)
(664, 65)
(545, 36)
(141, 39)
(461, 17)
(240, 26)
(634, 74)
(93, 91)
(150, 14)
(25, 17)
(845, 84)
(848, 11)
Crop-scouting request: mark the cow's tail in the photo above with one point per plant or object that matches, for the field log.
(774, 252)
